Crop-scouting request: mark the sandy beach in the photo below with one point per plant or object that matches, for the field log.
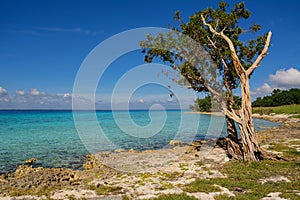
(205, 113)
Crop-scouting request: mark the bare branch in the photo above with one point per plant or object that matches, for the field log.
(232, 115)
(261, 56)
(226, 69)
(236, 61)
(212, 43)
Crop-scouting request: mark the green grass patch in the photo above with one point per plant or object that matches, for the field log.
(295, 116)
(46, 190)
(183, 166)
(201, 185)
(182, 196)
(166, 185)
(170, 176)
(223, 197)
(104, 190)
(288, 152)
(246, 176)
(72, 197)
(287, 109)
(125, 197)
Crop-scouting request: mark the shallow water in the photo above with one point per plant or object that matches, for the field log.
(52, 138)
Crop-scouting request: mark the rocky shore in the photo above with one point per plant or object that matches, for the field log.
(136, 175)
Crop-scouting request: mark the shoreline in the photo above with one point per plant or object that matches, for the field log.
(205, 113)
(272, 118)
(181, 169)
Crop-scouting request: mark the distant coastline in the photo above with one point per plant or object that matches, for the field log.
(205, 113)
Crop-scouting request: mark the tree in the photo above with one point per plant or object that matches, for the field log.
(205, 104)
(218, 31)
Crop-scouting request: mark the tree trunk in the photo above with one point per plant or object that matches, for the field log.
(250, 148)
(233, 147)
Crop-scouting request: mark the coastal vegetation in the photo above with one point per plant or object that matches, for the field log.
(279, 98)
(218, 31)
(206, 104)
(279, 102)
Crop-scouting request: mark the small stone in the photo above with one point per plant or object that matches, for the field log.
(75, 183)
(174, 143)
(131, 150)
(238, 189)
(30, 161)
(119, 150)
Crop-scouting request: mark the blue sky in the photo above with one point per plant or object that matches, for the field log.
(43, 43)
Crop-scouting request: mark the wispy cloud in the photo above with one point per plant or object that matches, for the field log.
(23, 31)
(42, 30)
(70, 30)
(36, 99)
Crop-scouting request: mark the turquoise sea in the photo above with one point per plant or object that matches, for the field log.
(51, 135)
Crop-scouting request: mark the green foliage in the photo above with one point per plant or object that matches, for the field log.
(207, 105)
(204, 104)
(224, 20)
(279, 98)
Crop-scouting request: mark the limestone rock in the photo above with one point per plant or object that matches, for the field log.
(174, 143)
(30, 161)
(131, 150)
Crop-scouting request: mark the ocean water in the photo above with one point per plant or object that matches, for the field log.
(57, 140)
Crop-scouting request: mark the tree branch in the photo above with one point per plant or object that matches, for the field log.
(202, 81)
(236, 61)
(261, 56)
(232, 115)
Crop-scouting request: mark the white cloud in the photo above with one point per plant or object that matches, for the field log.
(67, 95)
(264, 90)
(170, 100)
(2, 91)
(36, 99)
(286, 79)
(282, 79)
(20, 92)
(4, 97)
(34, 92)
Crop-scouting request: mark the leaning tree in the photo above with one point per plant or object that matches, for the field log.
(218, 31)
